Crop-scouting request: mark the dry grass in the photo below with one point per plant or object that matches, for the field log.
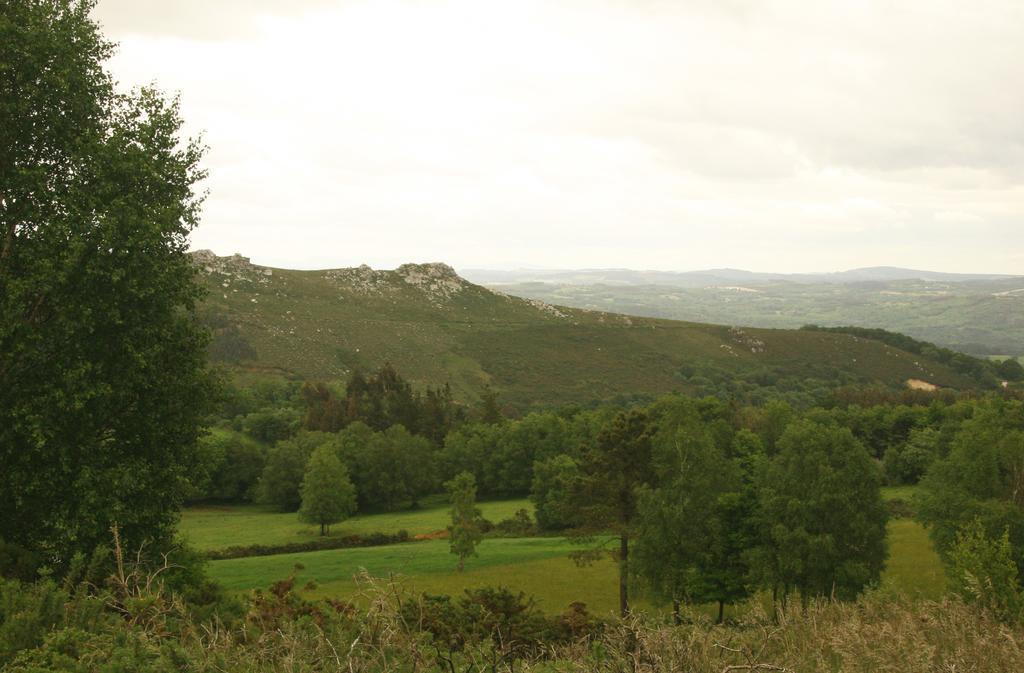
(880, 633)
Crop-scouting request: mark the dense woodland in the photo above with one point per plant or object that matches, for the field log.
(112, 420)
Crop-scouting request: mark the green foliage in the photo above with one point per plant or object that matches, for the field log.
(976, 368)
(103, 380)
(286, 467)
(519, 525)
(18, 563)
(230, 467)
(227, 344)
(27, 613)
(465, 530)
(321, 543)
(388, 468)
(983, 571)
(1010, 369)
(509, 623)
(822, 514)
(328, 495)
(271, 425)
(907, 463)
(383, 400)
(553, 482)
(605, 497)
(693, 529)
(489, 412)
(979, 479)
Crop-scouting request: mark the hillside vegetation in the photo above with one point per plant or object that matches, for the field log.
(977, 315)
(435, 327)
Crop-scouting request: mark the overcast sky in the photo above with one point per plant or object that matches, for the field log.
(771, 136)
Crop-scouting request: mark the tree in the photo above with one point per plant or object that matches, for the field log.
(689, 542)
(285, 469)
(324, 411)
(103, 379)
(388, 468)
(980, 479)
(1010, 369)
(489, 412)
(415, 466)
(552, 483)
(232, 466)
(822, 514)
(328, 495)
(471, 449)
(465, 532)
(906, 463)
(604, 499)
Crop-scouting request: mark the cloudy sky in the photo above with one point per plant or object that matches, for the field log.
(772, 136)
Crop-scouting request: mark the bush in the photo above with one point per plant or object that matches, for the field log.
(983, 572)
(319, 544)
(18, 563)
(519, 525)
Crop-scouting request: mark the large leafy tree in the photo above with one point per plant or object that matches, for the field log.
(982, 479)
(389, 468)
(822, 514)
(102, 363)
(690, 532)
(328, 495)
(281, 482)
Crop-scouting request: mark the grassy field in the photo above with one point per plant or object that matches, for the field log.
(536, 566)
(913, 568)
(208, 528)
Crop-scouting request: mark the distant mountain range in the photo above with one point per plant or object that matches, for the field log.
(710, 277)
(980, 314)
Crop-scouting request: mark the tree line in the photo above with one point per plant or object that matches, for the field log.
(702, 499)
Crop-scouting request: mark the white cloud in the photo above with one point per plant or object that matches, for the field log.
(770, 135)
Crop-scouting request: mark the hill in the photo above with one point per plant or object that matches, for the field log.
(435, 326)
(715, 276)
(976, 314)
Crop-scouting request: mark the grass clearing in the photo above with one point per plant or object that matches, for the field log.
(904, 493)
(914, 567)
(212, 527)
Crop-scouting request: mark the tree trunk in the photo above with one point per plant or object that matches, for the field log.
(677, 618)
(323, 529)
(624, 574)
(462, 562)
(721, 611)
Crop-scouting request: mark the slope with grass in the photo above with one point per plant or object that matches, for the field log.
(219, 527)
(978, 316)
(436, 327)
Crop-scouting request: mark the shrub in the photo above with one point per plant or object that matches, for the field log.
(319, 544)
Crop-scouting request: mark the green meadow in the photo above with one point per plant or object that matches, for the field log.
(538, 566)
(214, 527)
